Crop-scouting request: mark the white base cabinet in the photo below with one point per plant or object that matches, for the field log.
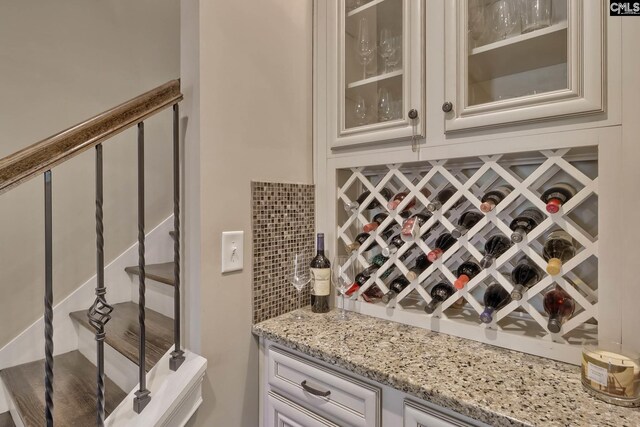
(299, 391)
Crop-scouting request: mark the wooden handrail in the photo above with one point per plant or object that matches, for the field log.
(44, 155)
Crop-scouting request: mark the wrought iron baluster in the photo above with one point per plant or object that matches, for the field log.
(177, 355)
(143, 396)
(48, 300)
(100, 312)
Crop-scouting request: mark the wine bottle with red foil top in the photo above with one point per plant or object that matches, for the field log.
(411, 226)
(558, 249)
(441, 198)
(524, 223)
(495, 297)
(493, 248)
(421, 264)
(398, 198)
(395, 287)
(439, 294)
(558, 195)
(492, 198)
(524, 275)
(395, 243)
(466, 221)
(559, 306)
(320, 279)
(350, 207)
(465, 272)
(375, 222)
(443, 242)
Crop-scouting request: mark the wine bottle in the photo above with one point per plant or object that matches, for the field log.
(439, 294)
(411, 226)
(524, 223)
(465, 272)
(441, 198)
(495, 297)
(524, 275)
(350, 207)
(495, 246)
(558, 195)
(421, 264)
(491, 198)
(443, 242)
(395, 243)
(357, 242)
(320, 279)
(559, 306)
(378, 261)
(398, 198)
(558, 249)
(375, 223)
(372, 293)
(466, 221)
(395, 287)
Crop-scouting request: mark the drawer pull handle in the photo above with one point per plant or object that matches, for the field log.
(314, 391)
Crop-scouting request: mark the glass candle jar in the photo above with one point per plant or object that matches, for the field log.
(535, 14)
(611, 373)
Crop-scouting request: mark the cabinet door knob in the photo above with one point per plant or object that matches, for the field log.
(314, 391)
(447, 107)
(413, 114)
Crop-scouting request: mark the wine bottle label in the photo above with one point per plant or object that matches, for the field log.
(321, 279)
(597, 374)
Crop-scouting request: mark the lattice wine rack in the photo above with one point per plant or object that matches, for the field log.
(520, 325)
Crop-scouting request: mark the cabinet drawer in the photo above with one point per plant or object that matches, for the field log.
(417, 415)
(282, 412)
(323, 390)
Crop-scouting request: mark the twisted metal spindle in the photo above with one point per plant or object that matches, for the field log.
(177, 355)
(48, 300)
(100, 312)
(143, 396)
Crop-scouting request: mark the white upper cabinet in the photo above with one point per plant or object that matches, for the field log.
(514, 61)
(375, 70)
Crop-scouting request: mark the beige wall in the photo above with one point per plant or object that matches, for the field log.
(255, 74)
(60, 63)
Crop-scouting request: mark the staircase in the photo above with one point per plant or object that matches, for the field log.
(113, 354)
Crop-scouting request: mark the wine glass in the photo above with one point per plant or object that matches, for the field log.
(365, 47)
(299, 278)
(385, 105)
(504, 17)
(387, 47)
(342, 276)
(396, 57)
(360, 111)
(477, 21)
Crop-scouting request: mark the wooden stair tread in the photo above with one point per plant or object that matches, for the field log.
(162, 273)
(74, 391)
(6, 420)
(123, 332)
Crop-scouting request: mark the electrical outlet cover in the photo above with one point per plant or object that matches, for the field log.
(232, 251)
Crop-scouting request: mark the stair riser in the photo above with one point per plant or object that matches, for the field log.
(158, 296)
(121, 370)
(7, 404)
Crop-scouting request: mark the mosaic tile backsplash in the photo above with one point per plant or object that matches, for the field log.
(283, 223)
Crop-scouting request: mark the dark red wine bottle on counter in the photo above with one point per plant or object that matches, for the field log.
(524, 223)
(421, 264)
(443, 242)
(495, 246)
(466, 221)
(558, 195)
(375, 223)
(350, 207)
(524, 275)
(441, 198)
(492, 198)
(558, 249)
(320, 279)
(439, 294)
(465, 272)
(395, 287)
(495, 297)
(559, 306)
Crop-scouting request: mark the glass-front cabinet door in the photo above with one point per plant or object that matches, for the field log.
(510, 61)
(376, 70)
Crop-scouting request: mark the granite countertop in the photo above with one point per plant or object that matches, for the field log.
(496, 386)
